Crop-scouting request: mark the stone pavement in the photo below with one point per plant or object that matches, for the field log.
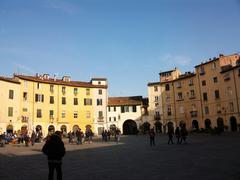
(204, 157)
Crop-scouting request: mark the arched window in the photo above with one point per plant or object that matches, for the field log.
(167, 87)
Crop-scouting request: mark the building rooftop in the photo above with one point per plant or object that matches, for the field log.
(41, 79)
(130, 100)
(7, 79)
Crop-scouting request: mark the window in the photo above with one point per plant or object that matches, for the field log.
(75, 114)
(202, 71)
(109, 119)
(155, 88)
(87, 91)
(75, 91)
(100, 91)
(87, 101)
(167, 87)
(205, 98)
(24, 109)
(38, 86)
(192, 93)
(180, 96)
(193, 107)
(231, 107)
(122, 109)
(10, 111)
(190, 82)
(75, 101)
(39, 113)
(100, 114)
(109, 108)
(115, 118)
(181, 109)
(51, 88)
(134, 108)
(51, 99)
(63, 114)
(25, 84)
(217, 96)
(214, 65)
(218, 108)
(51, 113)
(169, 111)
(99, 102)
(126, 108)
(226, 77)
(63, 90)
(88, 114)
(203, 83)
(11, 94)
(24, 96)
(206, 110)
(99, 83)
(63, 100)
(156, 98)
(215, 80)
(114, 108)
(39, 98)
(178, 84)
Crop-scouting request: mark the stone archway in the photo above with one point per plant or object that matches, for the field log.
(129, 127)
(207, 124)
(51, 129)
(220, 124)
(63, 128)
(195, 125)
(170, 126)
(9, 128)
(158, 127)
(233, 124)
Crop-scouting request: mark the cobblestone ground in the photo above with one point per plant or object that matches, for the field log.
(204, 157)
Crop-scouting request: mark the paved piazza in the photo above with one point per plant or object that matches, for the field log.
(204, 157)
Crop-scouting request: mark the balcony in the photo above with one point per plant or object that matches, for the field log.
(157, 117)
(193, 113)
(100, 119)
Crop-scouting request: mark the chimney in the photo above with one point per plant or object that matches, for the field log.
(66, 78)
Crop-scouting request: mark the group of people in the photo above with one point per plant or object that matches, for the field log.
(20, 137)
(106, 135)
(79, 137)
(180, 134)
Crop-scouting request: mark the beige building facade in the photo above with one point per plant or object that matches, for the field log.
(206, 98)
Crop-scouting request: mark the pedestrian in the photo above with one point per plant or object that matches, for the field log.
(152, 137)
(55, 150)
(184, 134)
(117, 135)
(33, 138)
(177, 135)
(170, 135)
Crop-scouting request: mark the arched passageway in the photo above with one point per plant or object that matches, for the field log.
(233, 123)
(129, 127)
(195, 125)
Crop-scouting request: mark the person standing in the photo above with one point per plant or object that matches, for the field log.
(33, 138)
(177, 135)
(54, 149)
(170, 135)
(152, 137)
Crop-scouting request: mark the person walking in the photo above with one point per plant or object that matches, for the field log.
(152, 137)
(170, 135)
(33, 138)
(54, 149)
(184, 134)
(177, 135)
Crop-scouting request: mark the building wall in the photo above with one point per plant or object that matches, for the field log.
(5, 120)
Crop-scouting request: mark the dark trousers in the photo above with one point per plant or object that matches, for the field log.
(170, 140)
(58, 167)
(152, 141)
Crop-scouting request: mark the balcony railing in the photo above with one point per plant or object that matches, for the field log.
(157, 117)
(193, 113)
(100, 119)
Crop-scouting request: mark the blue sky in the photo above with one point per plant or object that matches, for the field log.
(127, 41)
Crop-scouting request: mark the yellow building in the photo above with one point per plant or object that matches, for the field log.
(9, 111)
(56, 104)
(207, 98)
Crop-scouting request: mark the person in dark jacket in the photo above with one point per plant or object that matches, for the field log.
(152, 137)
(55, 150)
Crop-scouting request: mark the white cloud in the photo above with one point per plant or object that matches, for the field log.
(60, 5)
(176, 60)
(21, 68)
